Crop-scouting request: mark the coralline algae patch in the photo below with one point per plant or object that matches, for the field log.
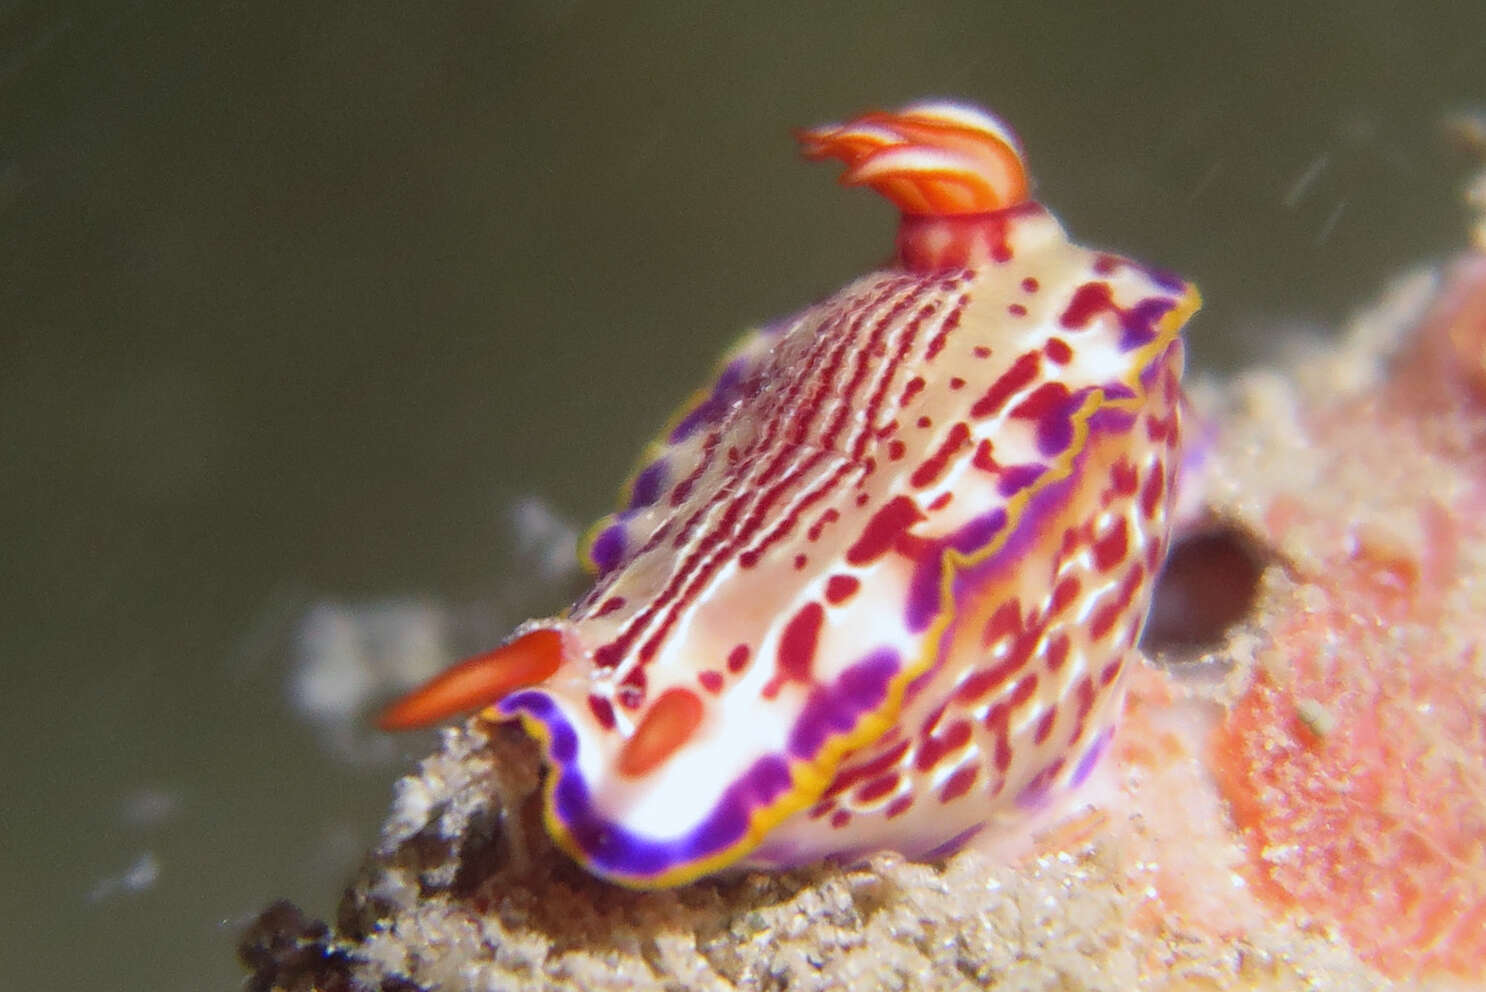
(1356, 774)
(1461, 314)
(1355, 763)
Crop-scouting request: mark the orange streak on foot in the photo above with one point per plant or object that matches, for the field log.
(477, 682)
(672, 719)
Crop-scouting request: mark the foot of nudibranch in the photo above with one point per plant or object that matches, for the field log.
(478, 682)
(1152, 806)
(1068, 818)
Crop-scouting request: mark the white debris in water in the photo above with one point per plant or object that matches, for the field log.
(350, 656)
(141, 874)
(149, 806)
(544, 538)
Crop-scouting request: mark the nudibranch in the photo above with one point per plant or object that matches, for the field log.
(874, 587)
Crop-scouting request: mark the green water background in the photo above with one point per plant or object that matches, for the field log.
(297, 298)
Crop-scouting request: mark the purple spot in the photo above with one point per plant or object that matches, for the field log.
(1152, 371)
(1091, 757)
(953, 845)
(923, 590)
(1054, 433)
(607, 549)
(569, 793)
(533, 702)
(714, 407)
(1139, 322)
(1034, 794)
(762, 784)
(1111, 420)
(1018, 477)
(564, 745)
(1165, 278)
(648, 484)
(836, 709)
(1198, 445)
(1023, 536)
(978, 532)
(1055, 427)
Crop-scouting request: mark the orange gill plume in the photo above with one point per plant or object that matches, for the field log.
(936, 159)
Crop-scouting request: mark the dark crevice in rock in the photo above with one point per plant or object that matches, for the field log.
(1209, 584)
(286, 951)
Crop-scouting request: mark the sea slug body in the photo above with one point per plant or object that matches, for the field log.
(874, 587)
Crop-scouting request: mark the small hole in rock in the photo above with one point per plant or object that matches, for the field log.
(1208, 585)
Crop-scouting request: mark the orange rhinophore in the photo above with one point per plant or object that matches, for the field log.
(483, 680)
